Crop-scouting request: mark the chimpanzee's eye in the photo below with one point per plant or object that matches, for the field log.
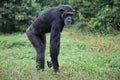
(69, 14)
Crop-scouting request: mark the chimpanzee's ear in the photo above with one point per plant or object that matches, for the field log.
(61, 10)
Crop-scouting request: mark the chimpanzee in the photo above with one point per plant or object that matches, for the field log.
(53, 21)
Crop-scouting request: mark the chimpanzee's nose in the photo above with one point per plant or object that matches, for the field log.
(69, 18)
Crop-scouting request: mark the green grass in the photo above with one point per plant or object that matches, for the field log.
(82, 57)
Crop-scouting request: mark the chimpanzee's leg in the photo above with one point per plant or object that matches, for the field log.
(40, 58)
(54, 51)
(39, 43)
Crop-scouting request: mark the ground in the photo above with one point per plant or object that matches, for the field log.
(82, 57)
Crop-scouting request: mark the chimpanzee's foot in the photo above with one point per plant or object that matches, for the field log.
(38, 66)
(50, 64)
(57, 70)
(40, 69)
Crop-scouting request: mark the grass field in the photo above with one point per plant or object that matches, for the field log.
(82, 57)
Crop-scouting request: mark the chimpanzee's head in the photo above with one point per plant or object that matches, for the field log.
(66, 13)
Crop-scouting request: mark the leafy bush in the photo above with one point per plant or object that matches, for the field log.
(106, 19)
(96, 15)
(14, 14)
(102, 16)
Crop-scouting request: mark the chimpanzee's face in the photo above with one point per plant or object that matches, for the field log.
(66, 14)
(68, 18)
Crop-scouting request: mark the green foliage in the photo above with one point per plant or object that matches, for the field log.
(14, 14)
(97, 15)
(82, 57)
(102, 16)
(105, 19)
(51, 2)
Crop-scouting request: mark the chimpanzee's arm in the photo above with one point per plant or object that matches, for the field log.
(55, 44)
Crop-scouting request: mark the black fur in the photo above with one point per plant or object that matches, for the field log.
(53, 21)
